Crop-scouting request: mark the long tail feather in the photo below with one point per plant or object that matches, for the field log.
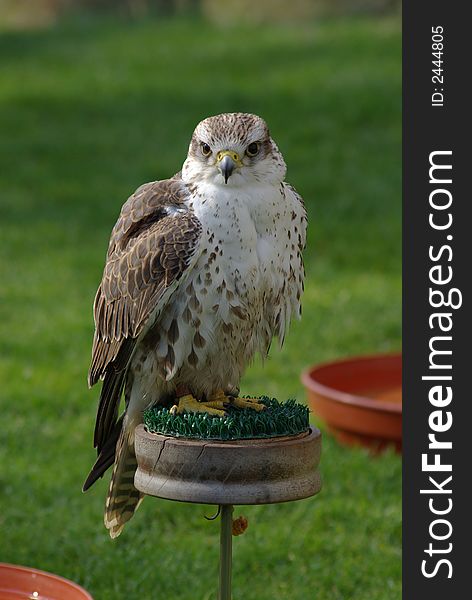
(105, 458)
(123, 498)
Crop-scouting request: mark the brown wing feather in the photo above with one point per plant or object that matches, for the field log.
(150, 249)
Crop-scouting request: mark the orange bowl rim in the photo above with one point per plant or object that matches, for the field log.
(334, 395)
(24, 569)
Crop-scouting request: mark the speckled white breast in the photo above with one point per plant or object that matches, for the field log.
(242, 290)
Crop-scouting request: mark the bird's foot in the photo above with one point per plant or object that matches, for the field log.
(220, 398)
(215, 405)
(254, 403)
(188, 403)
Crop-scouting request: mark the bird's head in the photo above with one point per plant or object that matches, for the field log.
(233, 149)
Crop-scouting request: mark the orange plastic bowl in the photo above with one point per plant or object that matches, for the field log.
(23, 583)
(360, 399)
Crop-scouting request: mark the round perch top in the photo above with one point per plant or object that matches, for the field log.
(278, 419)
(249, 471)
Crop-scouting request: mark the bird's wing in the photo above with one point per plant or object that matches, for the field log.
(299, 213)
(294, 284)
(151, 247)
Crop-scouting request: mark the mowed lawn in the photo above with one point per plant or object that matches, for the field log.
(88, 112)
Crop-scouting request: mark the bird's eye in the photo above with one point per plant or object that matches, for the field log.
(252, 149)
(206, 150)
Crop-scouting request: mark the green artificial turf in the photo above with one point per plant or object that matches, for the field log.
(89, 111)
(278, 418)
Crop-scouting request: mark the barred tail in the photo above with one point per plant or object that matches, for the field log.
(123, 498)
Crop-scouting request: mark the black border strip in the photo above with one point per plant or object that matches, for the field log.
(426, 129)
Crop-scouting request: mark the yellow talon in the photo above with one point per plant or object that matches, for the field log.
(254, 403)
(219, 397)
(215, 405)
(190, 404)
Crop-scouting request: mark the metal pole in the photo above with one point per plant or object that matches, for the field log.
(226, 551)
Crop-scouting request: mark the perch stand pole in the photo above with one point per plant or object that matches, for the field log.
(226, 551)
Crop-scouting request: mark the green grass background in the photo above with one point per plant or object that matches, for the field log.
(88, 112)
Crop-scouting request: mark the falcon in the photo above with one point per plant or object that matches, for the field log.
(202, 271)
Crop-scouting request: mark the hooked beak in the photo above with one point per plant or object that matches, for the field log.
(227, 161)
